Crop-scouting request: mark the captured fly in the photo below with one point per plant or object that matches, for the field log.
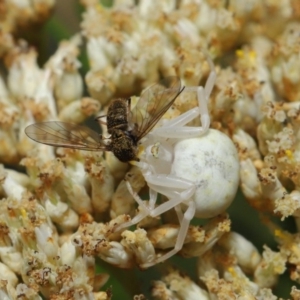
(125, 126)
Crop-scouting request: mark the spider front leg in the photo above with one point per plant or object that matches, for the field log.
(175, 128)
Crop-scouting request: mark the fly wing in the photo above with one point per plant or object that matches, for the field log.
(152, 105)
(61, 134)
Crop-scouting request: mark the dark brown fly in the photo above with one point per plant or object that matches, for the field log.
(125, 126)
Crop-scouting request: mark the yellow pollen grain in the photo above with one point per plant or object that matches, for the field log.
(278, 233)
(99, 7)
(239, 53)
(289, 154)
(252, 54)
(141, 149)
(295, 249)
(23, 213)
(282, 235)
(232, 271)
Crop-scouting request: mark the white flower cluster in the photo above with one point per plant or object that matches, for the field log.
(64, 211)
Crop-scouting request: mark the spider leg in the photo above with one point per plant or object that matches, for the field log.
(98, 119)
(184, 226)
(175, 197)
(205, 118)
(210, 82)
(175, 128)
(145, 210)
(179, 213)
(177, 190)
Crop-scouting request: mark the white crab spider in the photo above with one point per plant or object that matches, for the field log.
(194, 167)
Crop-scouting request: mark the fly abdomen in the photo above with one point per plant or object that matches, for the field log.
(123, 146)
